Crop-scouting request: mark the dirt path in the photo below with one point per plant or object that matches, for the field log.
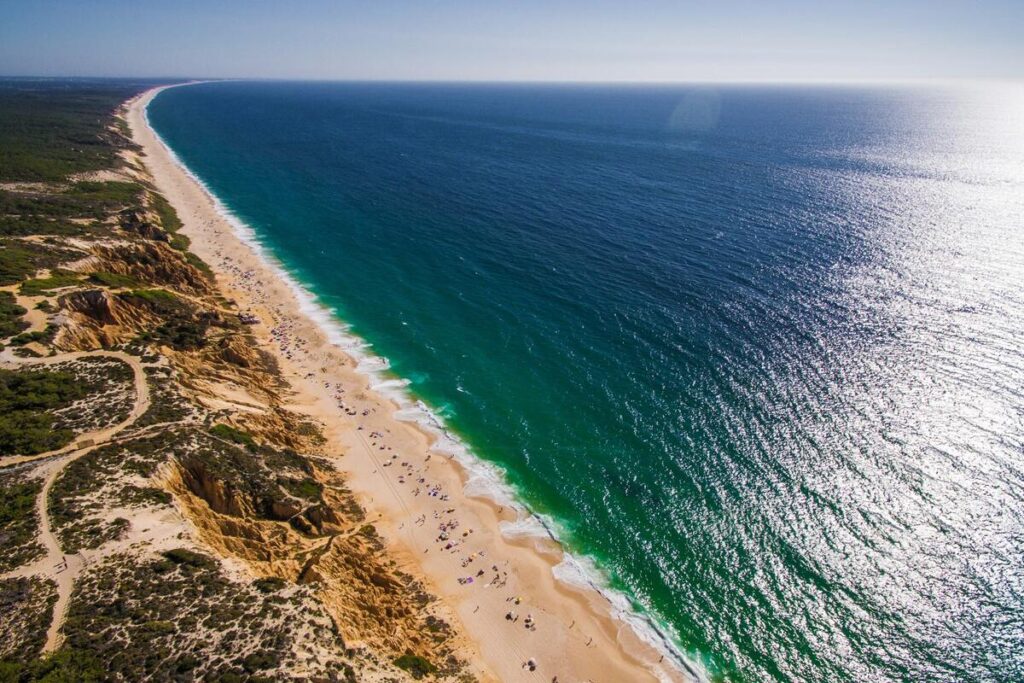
(36, 318)
(63, 569)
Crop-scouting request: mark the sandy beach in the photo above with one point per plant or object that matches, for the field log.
(503, 592)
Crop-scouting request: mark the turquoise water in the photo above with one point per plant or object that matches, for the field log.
(756, 350)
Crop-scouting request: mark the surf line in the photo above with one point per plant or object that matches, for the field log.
(372, 366)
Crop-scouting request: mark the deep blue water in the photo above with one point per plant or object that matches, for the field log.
(757, 350)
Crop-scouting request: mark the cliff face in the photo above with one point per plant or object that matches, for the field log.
(372, 602)
(153, 263)
(143, 223)
(97, 319)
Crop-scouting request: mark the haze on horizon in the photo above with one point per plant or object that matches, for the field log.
(532, 40)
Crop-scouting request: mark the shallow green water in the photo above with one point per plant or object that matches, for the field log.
(756, 352)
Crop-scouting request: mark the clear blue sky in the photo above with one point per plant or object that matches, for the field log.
(567, 40)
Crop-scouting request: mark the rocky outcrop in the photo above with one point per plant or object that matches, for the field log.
(95, 318)
(221, 496)
(253, 490)
(366, 595)
(142, 223)
(98, 305)
(240, 350)
(154, 263)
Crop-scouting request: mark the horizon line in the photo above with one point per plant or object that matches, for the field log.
(508, 81)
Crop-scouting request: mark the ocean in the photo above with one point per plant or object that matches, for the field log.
(756, 354)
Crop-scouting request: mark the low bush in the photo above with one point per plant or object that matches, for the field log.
(42, 336)
(115, 280)
(18, 521)
(11, 313)
(25, 427)
(190, 558)
(20, 260)
(45, 286)
(229, 433)
(417, 666)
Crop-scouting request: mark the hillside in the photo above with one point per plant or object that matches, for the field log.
(164, 515)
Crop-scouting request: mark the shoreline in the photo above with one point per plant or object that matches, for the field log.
(579, 633)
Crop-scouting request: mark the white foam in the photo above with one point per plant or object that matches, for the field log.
(523, 527)
(483, 479)
(390, 385)
(580, 572)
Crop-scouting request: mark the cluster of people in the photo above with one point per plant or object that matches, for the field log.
(245, 278)
(450, 538)
(283, 327)
(338, 394)
(282, 334)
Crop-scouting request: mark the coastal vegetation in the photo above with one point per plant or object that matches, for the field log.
(20, 259)
(25, 603)
(51, 133)
(45, 286)
(102, 293)
(11, 313)
(113, 280)
(27, 402)
(416, 665)
(19, 523)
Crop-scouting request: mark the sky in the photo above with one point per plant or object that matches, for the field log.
(523, 40)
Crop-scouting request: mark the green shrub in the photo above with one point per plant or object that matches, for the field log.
(199, 264)
(18, 522)
(417, 666)
(307, 488)
(169, 220)
(183, 335)
(115, 280)
(159, 298)
(109, 194)
(11, 313)
(25, 428)
(189, 558)
(260, 660)
(269, 584)
(22, 225)
(229, 433)
(42, 336)
(48, 132)
(182, 327)
(180, 242)
(159, 626)
(19, 260)
(44, 286)
(66, 665)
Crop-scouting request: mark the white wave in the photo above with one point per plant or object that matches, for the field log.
(523, 527)
(582, 573)
(390, 384)
(483, 479)
(368, 365)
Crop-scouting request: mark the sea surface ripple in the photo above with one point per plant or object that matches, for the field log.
(757, 351)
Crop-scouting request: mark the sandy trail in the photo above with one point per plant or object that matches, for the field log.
(62, 568)
(36, 318)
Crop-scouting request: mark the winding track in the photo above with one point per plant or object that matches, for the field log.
(55, 564)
